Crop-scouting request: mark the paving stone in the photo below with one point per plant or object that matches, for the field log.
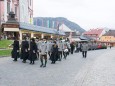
(75, 71)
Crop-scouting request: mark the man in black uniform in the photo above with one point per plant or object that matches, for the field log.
(33, 51)
(24, 50)
(15, 51)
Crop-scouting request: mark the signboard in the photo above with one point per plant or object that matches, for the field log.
(10, 26)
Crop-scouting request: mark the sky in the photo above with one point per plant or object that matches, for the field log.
(88, 14)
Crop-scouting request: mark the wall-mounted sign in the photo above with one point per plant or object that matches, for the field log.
(10, 26)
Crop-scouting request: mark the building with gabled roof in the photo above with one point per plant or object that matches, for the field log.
(95, 33)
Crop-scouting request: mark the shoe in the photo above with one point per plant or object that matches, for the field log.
(44, 66)
(41, 65)
(24, 61)
(14, 60)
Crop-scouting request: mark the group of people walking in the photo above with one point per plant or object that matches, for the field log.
(40, 49)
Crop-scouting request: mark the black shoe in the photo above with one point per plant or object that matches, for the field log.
(41, 65)
(30, 62)
(14, 60)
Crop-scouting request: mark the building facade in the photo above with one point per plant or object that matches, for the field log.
(17, 17)
(108, 38)
(23, 10)
(95, 33)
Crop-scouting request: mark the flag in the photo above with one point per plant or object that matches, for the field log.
(62, 25)
(48, 24)
(57, 26)
(42, 21)
(53, 23)
(35, 21)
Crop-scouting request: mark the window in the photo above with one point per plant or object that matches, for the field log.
(8, 7)
(16, 11)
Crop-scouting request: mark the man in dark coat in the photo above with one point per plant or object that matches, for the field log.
(24, 50)
(54, 54)
(15, 51)
(33, 51)
(72, 47)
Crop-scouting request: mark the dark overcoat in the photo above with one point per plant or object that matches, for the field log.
(54, 54)
(14, 52)
(33, 51)
(24, 50)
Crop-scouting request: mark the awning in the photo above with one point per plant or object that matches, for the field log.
(27, 26)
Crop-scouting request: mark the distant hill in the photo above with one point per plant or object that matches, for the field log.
(53, 22)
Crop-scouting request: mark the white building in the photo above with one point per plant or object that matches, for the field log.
(23, 10)
(26, 11)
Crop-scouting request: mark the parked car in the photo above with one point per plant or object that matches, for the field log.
(102, 46)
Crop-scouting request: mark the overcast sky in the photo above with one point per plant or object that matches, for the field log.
(86, 13)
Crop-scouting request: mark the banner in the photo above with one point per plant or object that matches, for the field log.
(48, 23)
(53, 24)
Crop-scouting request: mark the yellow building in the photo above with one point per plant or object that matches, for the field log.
(108, 38)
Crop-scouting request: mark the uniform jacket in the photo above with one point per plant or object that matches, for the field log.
(43, 48)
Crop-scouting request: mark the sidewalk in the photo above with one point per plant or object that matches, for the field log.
(99, 73)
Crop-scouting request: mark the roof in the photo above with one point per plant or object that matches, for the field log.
(64, 28)
(94, 31)
(110, 33)
(27, 26)
(83, 37)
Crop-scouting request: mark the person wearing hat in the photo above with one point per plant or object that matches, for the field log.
(33, 50)
(24, 50)
(15, 50)
(54, 53)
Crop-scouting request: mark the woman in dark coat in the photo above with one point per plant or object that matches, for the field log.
(15, 51)
(24, 50)
(33, 51)
(54, 54)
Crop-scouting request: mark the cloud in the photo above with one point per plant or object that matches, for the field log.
(87, 13)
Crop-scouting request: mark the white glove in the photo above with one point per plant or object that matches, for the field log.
(33, 51)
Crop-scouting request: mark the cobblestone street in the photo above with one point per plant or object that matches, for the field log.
(98, 69)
